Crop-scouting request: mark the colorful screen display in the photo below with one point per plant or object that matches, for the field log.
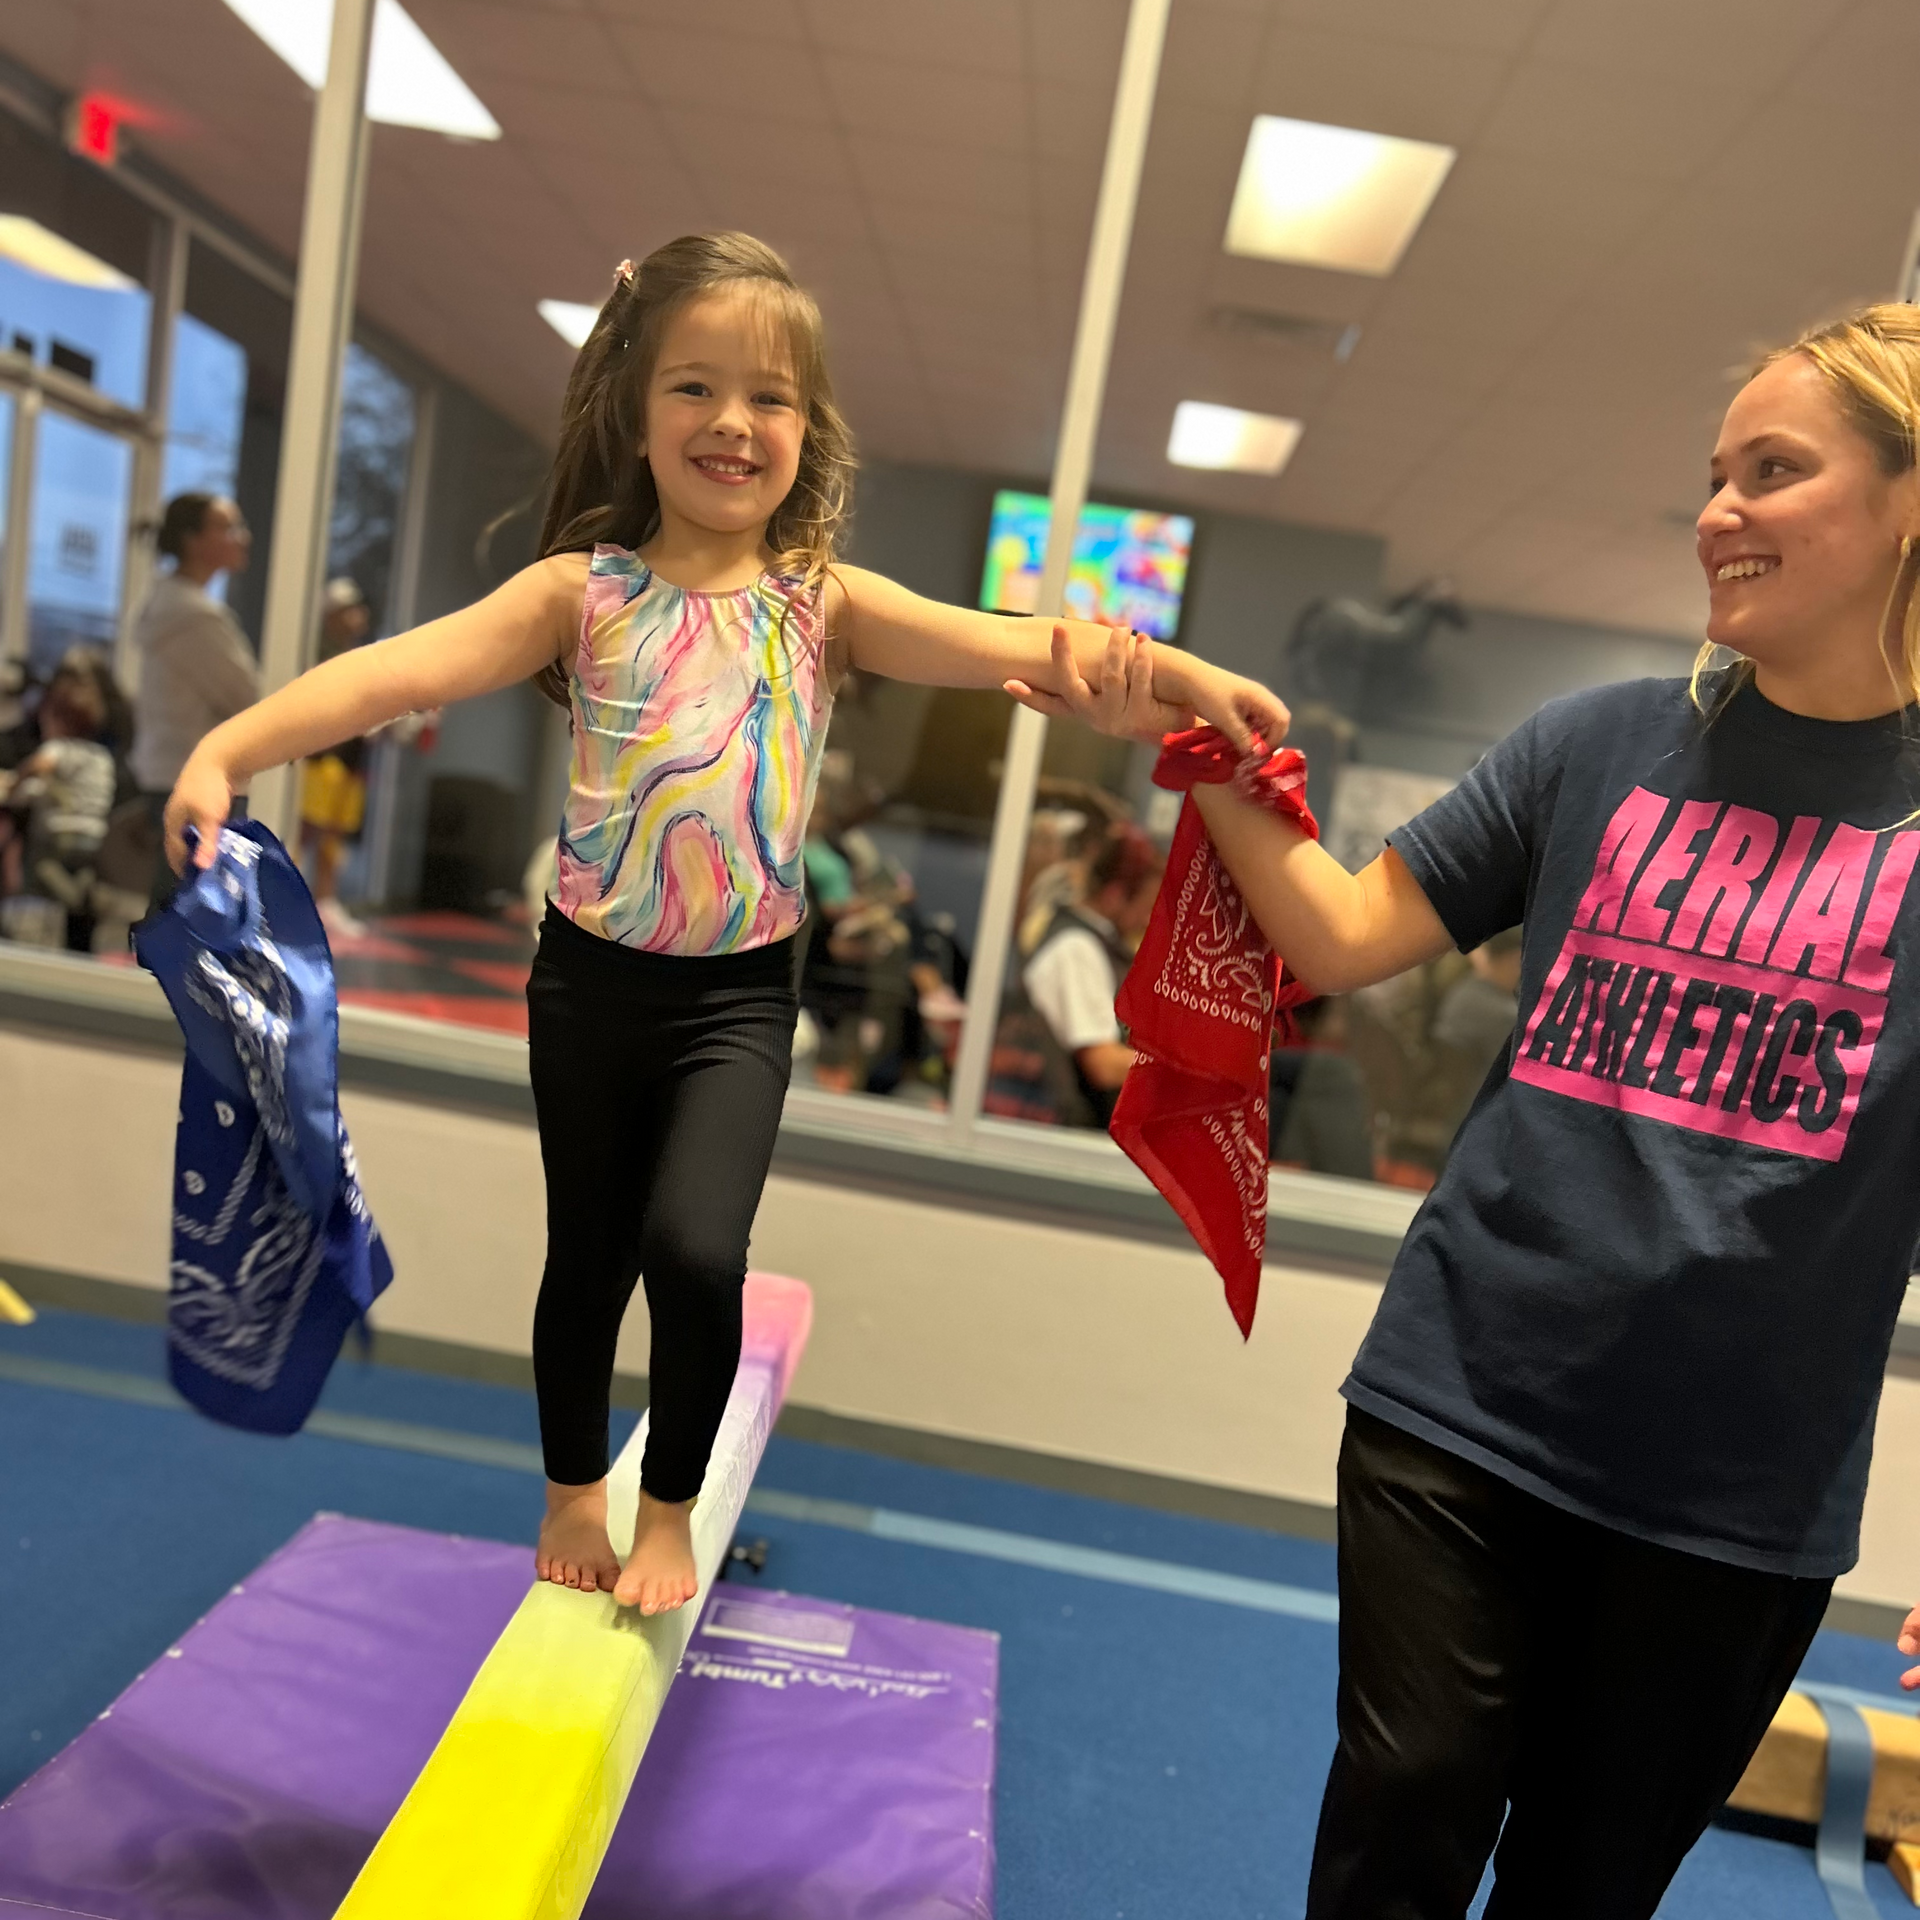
(1129, 568)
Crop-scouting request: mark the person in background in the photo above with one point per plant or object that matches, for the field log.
(1076, 968)
(57, 804)
(333, 785)
(196, 668)
(1317, 1098)
(1474, 1023)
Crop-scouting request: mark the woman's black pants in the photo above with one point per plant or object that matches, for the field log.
(1503, 1660)
(657, 1082)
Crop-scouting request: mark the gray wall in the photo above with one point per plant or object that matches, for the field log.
(1479, 685)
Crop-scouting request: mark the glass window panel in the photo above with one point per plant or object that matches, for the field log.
(896, 863)
(207, 412)
(227, 301)
(370, 480)
(1093, 862)
(82, 488)
(897, 844)
(96, 332)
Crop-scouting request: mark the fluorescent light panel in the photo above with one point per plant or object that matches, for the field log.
(28, 244)
(1226, 440)
(572, 320)
(1321, 196)
(409, 83)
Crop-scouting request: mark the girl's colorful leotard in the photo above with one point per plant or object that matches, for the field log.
(698, 724)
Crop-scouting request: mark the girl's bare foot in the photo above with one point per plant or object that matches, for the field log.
(660, 1574)
(574, 1550)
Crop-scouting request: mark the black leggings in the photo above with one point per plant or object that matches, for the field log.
(1501, 1658)
(658, 1082)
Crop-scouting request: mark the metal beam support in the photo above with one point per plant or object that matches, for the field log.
(1072, 465)
(322, 321)
(18, 556)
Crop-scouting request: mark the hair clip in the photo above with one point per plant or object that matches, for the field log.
(623, 274)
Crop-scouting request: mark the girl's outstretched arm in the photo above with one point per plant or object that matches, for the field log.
(1336, 930)
(508, 636)
(884, 628)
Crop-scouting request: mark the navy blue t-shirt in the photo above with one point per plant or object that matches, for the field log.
(1658, 1280)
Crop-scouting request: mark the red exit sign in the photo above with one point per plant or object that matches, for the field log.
(93, 128)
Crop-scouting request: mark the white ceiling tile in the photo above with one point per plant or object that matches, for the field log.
(1077, 41)
(1486, 26)
(955, 108)
(1757, 47)
(986, 180)
(1211, 56)
(1432, 93)
(981, 36)
(484, 40)
(1620, 124)
(757, 23)
(696, 73)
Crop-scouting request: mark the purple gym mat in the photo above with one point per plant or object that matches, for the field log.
(813, 1761)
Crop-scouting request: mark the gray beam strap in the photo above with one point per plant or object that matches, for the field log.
(1840, 1850)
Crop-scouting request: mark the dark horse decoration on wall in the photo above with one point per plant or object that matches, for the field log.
(1342, 651)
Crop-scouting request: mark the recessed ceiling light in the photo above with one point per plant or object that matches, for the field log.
(409, 83)
(572, 320)
(28, 244)
(1226, 440)
(1331, 196)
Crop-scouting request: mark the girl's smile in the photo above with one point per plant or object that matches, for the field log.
(724, 468)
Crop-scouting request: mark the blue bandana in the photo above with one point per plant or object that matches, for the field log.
(274, 1253)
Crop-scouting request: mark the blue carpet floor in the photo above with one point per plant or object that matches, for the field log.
(1160, 1756)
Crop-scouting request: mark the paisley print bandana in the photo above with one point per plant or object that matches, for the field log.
(275, 1255)
(1201, 1002)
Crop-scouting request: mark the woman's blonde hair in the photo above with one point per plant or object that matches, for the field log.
(602, 491)
(1871, 361)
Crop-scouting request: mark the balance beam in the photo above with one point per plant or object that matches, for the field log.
(1787, 1778)
(512, 1813)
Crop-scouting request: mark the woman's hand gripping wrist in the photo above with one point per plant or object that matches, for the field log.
(202, 798)
(1143, 695)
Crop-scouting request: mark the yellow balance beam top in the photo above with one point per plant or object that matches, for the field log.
(511, 1816)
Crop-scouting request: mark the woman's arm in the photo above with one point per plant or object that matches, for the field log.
(1336, 930)
(889, 630)
(511, 634)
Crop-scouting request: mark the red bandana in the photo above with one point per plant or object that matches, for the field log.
(1201, 1002)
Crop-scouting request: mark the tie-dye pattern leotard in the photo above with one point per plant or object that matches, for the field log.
(698, 724)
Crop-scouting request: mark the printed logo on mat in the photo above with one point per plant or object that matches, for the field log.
(828, 1633)
(1725, 975)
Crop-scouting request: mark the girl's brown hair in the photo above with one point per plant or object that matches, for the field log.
(602, 490)
(1871, 362)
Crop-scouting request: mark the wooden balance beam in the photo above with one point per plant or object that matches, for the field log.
(511, 1815)
(1787, 1779)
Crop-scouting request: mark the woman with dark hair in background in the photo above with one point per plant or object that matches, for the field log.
(196, 668)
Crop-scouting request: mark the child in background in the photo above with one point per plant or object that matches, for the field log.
(333, 784)
(58, 801)
(691, 614)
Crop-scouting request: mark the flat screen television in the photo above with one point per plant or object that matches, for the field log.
(1129, 567)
